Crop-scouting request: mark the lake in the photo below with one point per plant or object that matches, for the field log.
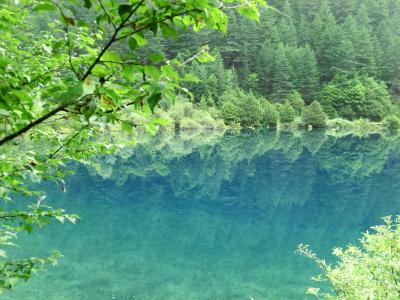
(213, 216)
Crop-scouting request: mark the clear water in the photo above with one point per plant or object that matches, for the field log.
(213, 216)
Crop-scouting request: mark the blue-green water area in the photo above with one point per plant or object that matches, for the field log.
(212, 217)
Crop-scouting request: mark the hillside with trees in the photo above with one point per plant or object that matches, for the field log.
(343, 54)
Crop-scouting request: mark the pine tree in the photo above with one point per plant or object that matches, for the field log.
(285, 27)
(296, 102)
(286, 113)
(264, 70)
(361, 40)
(281, 77)
(325, 37)
(314, 115)
(305, 75)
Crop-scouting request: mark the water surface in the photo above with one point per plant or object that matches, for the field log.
(213, 216)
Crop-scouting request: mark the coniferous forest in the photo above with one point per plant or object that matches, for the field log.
(341, 54)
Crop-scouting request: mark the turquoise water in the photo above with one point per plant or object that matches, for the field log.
(213, 216)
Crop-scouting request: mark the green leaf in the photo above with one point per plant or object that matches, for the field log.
(132, 43)
(72, 93)
(205, 57)
(140, 40)
(88, 4)
(124, 9)
(45, 7)
(153, 72)
(153, 100)
(167, 30)
(156, 57)
(190, 77)
(89, 109)
(250, 12)
(161, 121)
(170, 72)
(126, 127)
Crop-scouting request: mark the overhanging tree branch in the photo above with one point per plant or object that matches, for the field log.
(88, 72)
(114, 38)
(31, 125)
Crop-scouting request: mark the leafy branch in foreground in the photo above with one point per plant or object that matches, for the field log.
(72, 75)
(368, 271)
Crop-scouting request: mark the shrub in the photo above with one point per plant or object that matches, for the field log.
(360, 97)
(189, 124)
(230, 113)
(296, 102)
(251, 111)
(368, 271)
(241, 108)
(314, 115)
(286, 113)
(346, 112)
(205, 120)
(270, 115)
(391, 122)
(181, 109)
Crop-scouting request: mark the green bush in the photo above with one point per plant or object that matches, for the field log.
(314, 115)
(251, 111)
(360, 97)
(180, 110)
(230, 113)
(296, 102)
(391, 122)
(241, 108)
(189, 124)
(206, 121)
(271, 115)
(286, 112)
(346, 112)
(368, 271)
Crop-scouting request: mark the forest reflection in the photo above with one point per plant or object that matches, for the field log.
(262, 168)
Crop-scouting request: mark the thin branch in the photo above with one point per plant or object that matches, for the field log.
(32, 124)
(69, 140)
(128, 62)
(112, 40)
(192, 58)
(158, 21)
(107, 14)
(70, 50)
(124, 121)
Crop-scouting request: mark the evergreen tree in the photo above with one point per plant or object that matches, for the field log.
(314, 115)
(270, 114)
(265, 63)
(296, 102)
(325, 36)
(305, 76)
(286, 112)
(362, 45)
(282, 73)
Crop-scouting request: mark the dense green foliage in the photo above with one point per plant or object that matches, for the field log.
(314, 115)
(368, 271)
(347, 51)
(360, 97)
(73, 74)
